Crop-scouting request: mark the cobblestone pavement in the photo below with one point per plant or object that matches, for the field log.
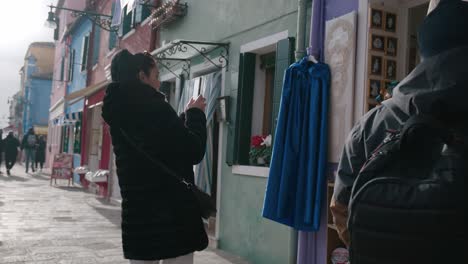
(43, 225)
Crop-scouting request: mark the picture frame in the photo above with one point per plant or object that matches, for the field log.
(375, 87)
(391, 46)
(390, 22)
(377, 43)
(390, 69)
(376, 18)
(375, 65)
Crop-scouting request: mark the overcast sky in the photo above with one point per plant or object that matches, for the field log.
(22, 23)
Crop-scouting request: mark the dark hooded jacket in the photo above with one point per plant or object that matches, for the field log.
(437, 85)
(11, 145)
(160, 218)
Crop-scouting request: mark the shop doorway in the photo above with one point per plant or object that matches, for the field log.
(208, 84)
(416, 16)
(391, 48)
(95, 138)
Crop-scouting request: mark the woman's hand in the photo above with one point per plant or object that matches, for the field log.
(199, 103)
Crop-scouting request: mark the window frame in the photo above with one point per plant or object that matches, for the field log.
(85, 53)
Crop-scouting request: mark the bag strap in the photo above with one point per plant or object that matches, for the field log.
(155, 161)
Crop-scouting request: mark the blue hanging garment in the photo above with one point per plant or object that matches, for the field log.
(297, 180)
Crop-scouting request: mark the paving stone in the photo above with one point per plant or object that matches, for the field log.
(40, 224)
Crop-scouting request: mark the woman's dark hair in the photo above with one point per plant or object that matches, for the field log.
(126, 66)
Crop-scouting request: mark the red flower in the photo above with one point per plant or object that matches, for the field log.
(257, 141)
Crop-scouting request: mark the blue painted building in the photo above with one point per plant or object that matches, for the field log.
(79, 38)
(36, 85)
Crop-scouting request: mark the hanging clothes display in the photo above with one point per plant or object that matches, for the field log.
(211, 90)
(297, 180)
(209, 86)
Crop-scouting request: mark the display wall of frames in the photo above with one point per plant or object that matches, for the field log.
(383, 45)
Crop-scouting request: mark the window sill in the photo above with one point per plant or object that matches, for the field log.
(146, 21)
(255, 171)
(126, 36)
(111, 52)
(94, 67)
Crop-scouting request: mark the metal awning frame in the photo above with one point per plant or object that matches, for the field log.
(170, 63)
(175, 51)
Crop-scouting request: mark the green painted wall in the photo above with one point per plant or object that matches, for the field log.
(243, 231)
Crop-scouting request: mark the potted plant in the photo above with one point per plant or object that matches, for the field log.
(260, 150)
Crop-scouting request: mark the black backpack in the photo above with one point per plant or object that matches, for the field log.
(407, 202)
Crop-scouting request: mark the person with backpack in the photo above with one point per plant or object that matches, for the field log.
(11, 145)
(40, 152)
(29, 145)
(398, 192)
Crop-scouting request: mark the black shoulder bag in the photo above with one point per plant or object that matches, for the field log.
(205, 203)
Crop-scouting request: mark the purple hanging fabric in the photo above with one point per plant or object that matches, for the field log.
(317, 32)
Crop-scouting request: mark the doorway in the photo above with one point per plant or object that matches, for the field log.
(416, 16)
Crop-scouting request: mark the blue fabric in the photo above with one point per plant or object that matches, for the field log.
(297, 180)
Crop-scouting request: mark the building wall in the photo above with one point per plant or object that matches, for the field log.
(138, 40)
(40, 101)
(59, 87)
(79, 76)
(242, 229)
(36, 90)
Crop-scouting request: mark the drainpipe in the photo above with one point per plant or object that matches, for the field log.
(301, 27)
(300, 52)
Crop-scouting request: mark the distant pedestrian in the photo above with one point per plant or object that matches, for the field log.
(1, 149)
(40, 152)
(11, 145)
(29, 145)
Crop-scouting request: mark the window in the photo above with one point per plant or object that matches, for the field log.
(258, 98)
(62, 69)
(77, 136)
(71, 64)
(112, 35)
(128, 21)
(84, 53)
(96, 44)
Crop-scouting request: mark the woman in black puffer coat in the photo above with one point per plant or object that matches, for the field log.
(160, 217)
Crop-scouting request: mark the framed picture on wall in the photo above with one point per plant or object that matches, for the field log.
(377, 43)
(375, 65)
(390, 69)
(376, 18)
(375, 87)
(390, 22)
(391, 46)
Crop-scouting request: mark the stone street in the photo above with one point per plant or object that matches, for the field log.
(42, 224)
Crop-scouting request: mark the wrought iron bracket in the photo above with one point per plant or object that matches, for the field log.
(186, 50)
(170, 63)
(101, 20)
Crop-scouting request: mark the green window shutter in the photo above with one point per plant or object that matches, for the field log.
(284, 58)
(84, 54)
(71, 65)
(239, 135)
(57, 30)
(62, 69)
(127, 23)
(122, 23)
(146, 12)
(96, 44)
(113, 35)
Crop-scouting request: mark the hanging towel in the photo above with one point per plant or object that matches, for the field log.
(297, 179)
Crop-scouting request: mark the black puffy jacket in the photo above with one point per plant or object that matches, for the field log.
(440, 80)
(160, 218)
